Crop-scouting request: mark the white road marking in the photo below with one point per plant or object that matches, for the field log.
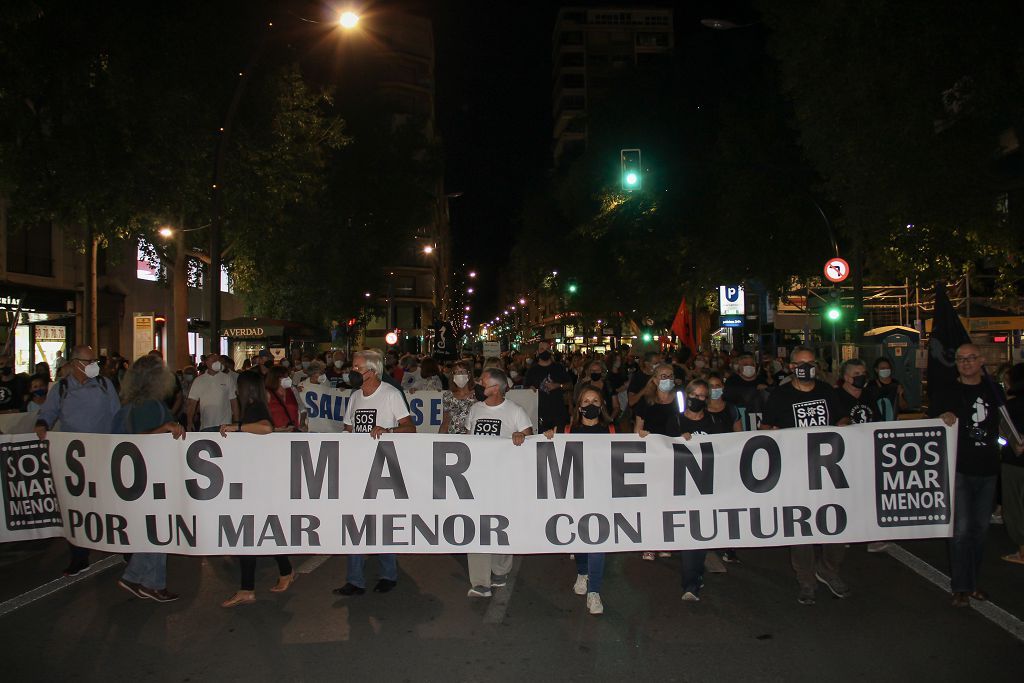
(495, 613)
(58, 584)
(312, 564)
(997, 615)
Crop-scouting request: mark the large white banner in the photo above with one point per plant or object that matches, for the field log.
(326, 407)
(421, 493)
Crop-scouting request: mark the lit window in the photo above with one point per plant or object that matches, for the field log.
(146, 256)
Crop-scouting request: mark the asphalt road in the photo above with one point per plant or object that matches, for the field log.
(748, 626)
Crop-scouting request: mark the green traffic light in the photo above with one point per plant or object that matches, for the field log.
(648, 336)
(833, 313)
(572, 289)
(632, 179)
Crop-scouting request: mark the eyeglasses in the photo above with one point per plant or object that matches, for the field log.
(967, 359)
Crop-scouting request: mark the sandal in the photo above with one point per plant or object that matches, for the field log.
(240, 598)
(1014, 557)
(283, 582)
(979, 595)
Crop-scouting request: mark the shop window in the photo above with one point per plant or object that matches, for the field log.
(30, 250)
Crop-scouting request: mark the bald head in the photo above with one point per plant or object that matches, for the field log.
(969, 363)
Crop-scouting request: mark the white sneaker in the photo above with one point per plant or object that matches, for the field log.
(479, 592)
(648, 556)
(690, 597)
(580, 587)
(594, 604)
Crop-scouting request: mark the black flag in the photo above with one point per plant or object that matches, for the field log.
(947, 334)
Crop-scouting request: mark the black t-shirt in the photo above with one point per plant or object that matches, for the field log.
(617, 379)
(789, 407)
(551, 410)
(889, 391)
(860, 410)
(254, 412)
(706, 425)
(748, 399)
(723, 419)
(12, 393)
(1015, 406)
(599, 428)
(660, 418)
(974, 409)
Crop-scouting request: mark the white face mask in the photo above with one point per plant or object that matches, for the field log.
(216, 366)
(337, 364)
(748, 371)
(286, 382)
(92, 370)
(666, 385)
(461, 380)
(885, 374)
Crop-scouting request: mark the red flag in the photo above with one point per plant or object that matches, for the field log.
(682, 325)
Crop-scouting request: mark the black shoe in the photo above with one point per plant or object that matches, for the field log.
(349, 589)
(730, 557)
(76, 567)
(133, 588)
(161, 595)
(384, 585)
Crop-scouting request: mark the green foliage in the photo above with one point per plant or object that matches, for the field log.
(900, 110)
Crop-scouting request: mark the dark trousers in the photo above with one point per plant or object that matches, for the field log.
(974, 496)
(248, 564)
(693, 570)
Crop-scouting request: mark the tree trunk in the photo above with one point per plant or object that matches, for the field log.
(177, 346)
(90, 328)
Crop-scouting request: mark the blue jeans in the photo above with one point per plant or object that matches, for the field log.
(974, 499)
(591, 564)
(357, 563)
(693, 570)
(149, 569)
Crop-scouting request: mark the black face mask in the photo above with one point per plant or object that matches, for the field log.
(355, 379)
(5, 370)
(696, 405)
(805, 371)
(859, 382)
(595, 376)
(544, 356)
(591, 412)
(269, 364)
(478, 392)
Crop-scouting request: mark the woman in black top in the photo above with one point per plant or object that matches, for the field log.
(887, 387)
(589, 417)
(252, 402)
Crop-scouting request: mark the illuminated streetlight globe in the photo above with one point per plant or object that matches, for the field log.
(348, 19)
(166, 232)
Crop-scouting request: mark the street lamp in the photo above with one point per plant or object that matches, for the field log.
(428, 249)
(472, 273)
(348, 20)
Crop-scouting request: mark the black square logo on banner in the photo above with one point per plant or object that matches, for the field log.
(911, 484)
(30, 501)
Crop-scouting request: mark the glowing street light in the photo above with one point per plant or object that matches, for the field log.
(522, 302)
(348, 20)
(428, 249)
(166, 232)
(469, 291)
(472, 273)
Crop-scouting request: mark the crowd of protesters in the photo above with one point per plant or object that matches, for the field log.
(621, 391)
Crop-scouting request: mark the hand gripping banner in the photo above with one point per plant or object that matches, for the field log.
(430, 493)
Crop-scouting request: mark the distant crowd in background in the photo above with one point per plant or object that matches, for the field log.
(678, 395)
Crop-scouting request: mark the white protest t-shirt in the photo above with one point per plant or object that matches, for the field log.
(383, 408)
(214, 393)
(501, 420)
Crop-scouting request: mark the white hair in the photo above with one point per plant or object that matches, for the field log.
(372, 360)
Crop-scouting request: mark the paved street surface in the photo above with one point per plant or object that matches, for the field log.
(748, 627)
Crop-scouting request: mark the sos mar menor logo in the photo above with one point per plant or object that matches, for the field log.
(911, 481)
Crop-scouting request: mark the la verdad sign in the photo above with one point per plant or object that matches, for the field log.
(423, 493)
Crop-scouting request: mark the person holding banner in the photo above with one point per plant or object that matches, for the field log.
(252, 400)
(82, 401)
(1013, 467)
(589, 417)
(494, 416)
(806, 401)
(282, 402)
(144, 391)
(457, 401)
(970, 403)
(375, 408)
